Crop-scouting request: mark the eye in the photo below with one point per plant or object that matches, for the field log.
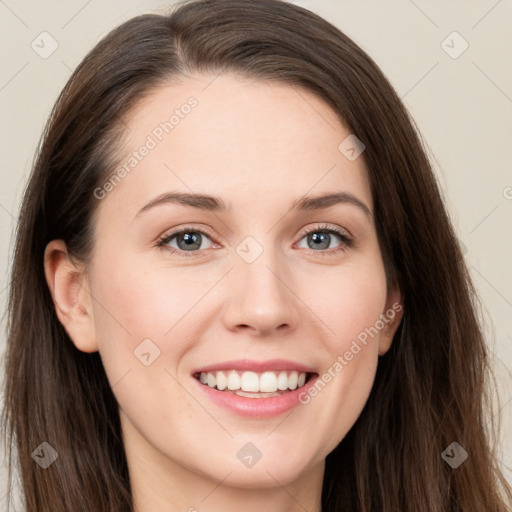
(187, 240)
(321, 238)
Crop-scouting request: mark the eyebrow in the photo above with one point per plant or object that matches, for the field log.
(216, 204)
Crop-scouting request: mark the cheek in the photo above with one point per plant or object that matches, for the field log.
(352, 304)
(144, 303)
(141, 323)
(146, 320)
(356, 300)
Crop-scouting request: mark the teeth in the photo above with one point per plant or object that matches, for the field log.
(233, 381)
(282, 381)
(222, 381)
(252, 382)
(268, 382)
(292, 380)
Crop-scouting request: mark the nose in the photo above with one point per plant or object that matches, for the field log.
(261, 298)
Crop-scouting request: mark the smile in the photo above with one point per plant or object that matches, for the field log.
(254, 384)
(255, 389)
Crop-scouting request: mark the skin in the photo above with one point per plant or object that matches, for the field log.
(258, 146)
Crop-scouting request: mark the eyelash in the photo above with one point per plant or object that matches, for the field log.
(346, 241)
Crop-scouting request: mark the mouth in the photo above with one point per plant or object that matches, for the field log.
(252, 384)
(255, 389)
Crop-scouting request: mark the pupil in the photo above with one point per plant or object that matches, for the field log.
(190, 240)
(322, 238)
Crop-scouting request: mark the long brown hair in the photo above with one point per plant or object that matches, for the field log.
(431, 387)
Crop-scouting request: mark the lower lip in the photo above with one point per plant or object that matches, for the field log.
(257, 407)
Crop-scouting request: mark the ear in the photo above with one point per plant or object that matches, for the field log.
(69, 288)
(392, 316)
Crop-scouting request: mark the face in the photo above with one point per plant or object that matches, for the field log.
(262, 288)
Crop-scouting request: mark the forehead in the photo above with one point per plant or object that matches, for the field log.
(237, 139)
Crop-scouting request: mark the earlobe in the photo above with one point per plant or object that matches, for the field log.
(392, 315)
(71, 297)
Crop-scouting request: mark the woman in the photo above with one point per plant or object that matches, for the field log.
(236, 287)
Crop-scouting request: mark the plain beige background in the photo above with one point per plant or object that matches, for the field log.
(461, 99)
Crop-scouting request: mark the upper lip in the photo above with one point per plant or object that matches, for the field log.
(256, 366)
